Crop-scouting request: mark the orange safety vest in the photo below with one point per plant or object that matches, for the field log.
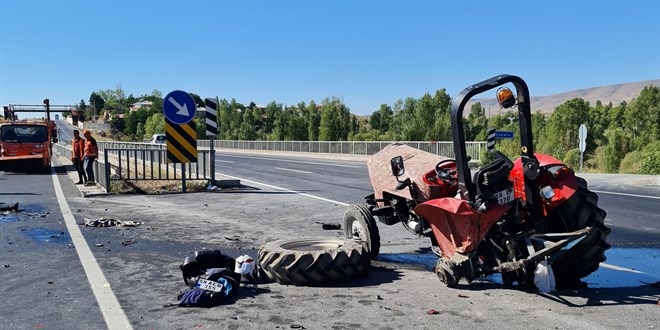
(91, 150)
(78, 147)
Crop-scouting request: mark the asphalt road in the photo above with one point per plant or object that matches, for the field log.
(49, 282)
(633, 205)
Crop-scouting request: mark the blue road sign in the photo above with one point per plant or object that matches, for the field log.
(503, 135)
(179, 107)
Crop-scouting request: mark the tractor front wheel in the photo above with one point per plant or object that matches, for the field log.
(360, 224)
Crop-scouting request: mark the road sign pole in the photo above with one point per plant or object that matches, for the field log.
(212, 130)
(582, 135)
(183, 177)
(212, 161)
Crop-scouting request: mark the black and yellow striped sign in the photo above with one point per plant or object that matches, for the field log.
(181, 142)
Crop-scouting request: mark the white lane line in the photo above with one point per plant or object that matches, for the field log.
(284, 189)
(114, 315)
(292, 170)
(224, 161)
(623, 269)
(624, 194)
(298, 161)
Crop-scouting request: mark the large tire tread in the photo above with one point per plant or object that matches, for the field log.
(313, 267)
(579, 212)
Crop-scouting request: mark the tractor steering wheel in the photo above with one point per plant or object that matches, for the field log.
(443, 173)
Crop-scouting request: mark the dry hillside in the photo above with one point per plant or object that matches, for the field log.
(547, 104)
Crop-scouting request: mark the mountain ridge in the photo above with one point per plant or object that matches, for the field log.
(616, 94)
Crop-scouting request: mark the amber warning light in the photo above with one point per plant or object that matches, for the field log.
(505, 97)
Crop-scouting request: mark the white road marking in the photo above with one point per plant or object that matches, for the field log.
(284, 189)
(114, 315)
(298, 161)
(224, 161)
(624, 194)
(292, 170)
(613, 267)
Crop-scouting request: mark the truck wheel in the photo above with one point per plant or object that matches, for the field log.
(360, 224)
(579, 212)
(313, 261)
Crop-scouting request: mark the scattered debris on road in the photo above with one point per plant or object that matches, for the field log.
(432, 312)
(12, 208)
(330, 226)
(103, 222)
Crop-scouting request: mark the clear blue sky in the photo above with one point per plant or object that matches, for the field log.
(365, 52)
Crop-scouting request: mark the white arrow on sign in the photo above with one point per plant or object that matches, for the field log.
(183, 110)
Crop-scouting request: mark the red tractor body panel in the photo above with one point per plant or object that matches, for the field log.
(456, 226)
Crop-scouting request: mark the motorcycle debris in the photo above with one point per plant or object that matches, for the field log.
(331, 226)
(432, 312)
(13, 208)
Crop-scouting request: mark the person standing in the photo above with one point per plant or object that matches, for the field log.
(90, 154)
(78, 145)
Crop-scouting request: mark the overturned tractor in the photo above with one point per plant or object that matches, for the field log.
(509, 217)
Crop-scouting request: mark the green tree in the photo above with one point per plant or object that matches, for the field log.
(97, 103)
(155, 124)
(313, 121)
(561, 132)
(139, 132)
(335, 120)
(476, 123)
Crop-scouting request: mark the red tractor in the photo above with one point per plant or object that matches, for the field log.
(506, 218)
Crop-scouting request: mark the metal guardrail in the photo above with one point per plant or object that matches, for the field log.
(151, 164)
(147, 161)
(442, 148)
(141, 161)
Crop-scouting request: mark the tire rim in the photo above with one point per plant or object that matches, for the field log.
(358, 231)
(313, 245)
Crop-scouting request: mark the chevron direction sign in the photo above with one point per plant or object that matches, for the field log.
(180, 130)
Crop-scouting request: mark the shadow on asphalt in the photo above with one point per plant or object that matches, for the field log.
(639, 295)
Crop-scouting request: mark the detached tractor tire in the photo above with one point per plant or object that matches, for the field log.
(579, 212)
(313, 261)
(360, 224)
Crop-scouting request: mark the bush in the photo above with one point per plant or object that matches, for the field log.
(650, 163)
(631, 163)
(572, 158)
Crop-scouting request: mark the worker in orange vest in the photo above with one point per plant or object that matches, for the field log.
(90, 154)
(78, 145)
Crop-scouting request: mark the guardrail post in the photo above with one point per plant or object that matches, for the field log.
(107, 172)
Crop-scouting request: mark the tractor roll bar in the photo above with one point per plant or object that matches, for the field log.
(468, 188)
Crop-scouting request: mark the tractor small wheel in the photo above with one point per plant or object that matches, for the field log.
(447, 272)
(359, 223)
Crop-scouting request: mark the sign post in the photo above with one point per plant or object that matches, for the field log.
(181, 137)
(212, 130)
(582, 134)
(490, 144)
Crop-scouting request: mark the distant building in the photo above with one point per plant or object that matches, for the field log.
(139, 105)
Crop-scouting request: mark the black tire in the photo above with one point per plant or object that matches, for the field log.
(579, 212)
(313, 261)
(360, 224)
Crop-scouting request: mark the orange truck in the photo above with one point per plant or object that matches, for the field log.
(26, 145)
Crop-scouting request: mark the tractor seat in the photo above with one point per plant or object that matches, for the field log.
(495, 175)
